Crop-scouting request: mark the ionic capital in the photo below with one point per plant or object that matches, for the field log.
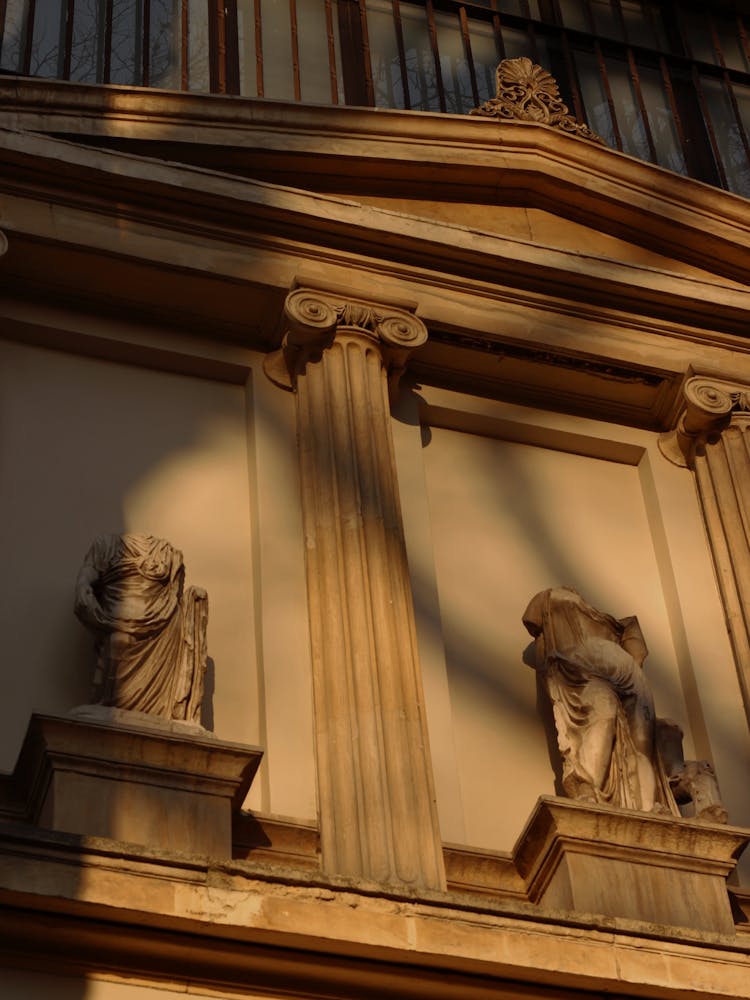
(709, 406)
(313, 319)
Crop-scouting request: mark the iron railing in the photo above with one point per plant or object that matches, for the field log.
(665, 81)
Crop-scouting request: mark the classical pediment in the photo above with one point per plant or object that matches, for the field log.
(545, 267)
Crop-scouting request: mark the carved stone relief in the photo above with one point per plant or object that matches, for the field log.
(527, 92)
(614, 750)
(150, 632)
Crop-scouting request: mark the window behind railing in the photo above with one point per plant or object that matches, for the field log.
(668, 82)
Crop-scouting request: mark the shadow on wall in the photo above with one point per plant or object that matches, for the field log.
(90, 447)
(503, 531)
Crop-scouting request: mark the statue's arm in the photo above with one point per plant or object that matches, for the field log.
(87, 607)
(632, 640)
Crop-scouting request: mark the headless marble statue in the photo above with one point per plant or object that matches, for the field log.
(607, 732)
(150, 632)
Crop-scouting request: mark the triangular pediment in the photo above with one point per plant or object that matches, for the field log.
(552, 269)
(520, 180)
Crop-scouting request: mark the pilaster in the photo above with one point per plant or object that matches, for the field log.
(377, 811)
(712, 438)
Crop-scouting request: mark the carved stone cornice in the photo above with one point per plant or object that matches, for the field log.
(710, 404)
(529, 93)
(315, 318)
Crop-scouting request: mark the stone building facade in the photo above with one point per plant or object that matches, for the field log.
(381, 376)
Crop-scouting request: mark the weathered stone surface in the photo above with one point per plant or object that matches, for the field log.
(614, 750)
(222, 925)
(625, 864)
(150, 631)
(592, 666)
(377, 810)
(154, 786)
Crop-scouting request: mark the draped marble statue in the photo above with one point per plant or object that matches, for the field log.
(150, 631)
(612, 745)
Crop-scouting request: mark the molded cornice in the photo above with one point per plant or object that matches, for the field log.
(216, 206)
(460, 157)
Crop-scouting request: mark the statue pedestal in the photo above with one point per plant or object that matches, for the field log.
(598, 859)
(157, 785)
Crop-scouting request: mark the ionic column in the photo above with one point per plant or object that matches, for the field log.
(713, 439)
(377, 811)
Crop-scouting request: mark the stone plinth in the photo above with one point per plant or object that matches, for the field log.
(156, 786)
(620, 863)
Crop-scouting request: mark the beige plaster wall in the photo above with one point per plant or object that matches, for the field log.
(89, 446)
(493, 520)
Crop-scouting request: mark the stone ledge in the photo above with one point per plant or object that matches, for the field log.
(131, 780)
(96, 905)
(629, 864)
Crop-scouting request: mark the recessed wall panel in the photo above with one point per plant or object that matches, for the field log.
(509, 520)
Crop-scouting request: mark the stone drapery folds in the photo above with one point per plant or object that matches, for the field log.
(150, 631)
(614, 750)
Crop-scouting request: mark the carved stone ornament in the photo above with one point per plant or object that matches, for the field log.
(313, 318)
(614, 750)
(709, 406)
(527, 92)
(150, 632)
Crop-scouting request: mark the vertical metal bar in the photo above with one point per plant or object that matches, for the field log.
(401, 52)
(742, 31)
(108, 23)
(709, 127)
(258, 48)
(146, 42)
(608, 93)
(578, 107)
(331, 52)
(498, 31)
(641, 104)
(354, 75)
(184, 45)
(369, 85)
(532, 41)
(621, 20)
(669, 90)
(295, 50)
(464, 21)
(70, 14)
(589, 16)
(715, 40)
(736, 112)
(232, 40)
(435, 53)
(3, 11)
(654, 28)
(28, 40)
(221, 47)
(728, 84)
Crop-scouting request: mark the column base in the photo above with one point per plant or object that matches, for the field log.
(599, 859)
(138, 780)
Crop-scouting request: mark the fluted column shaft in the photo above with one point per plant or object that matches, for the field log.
(712, 438)
(377, 811)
